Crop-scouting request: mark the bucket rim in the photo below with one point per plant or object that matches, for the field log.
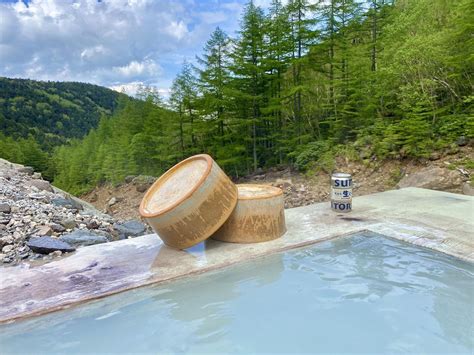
(153, 188)
(271, 191)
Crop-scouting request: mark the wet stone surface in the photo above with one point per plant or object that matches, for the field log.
(432, 219)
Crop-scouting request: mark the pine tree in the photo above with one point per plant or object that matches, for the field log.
(303, 35)
(183, 100)
(276, 62)
(300, 83)
(213, 84)
(249, 71)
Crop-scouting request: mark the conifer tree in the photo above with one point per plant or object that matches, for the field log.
(249, 81)
(183, 100)
(299, 84)
(276, 62)
(213, 84)
(303, 35)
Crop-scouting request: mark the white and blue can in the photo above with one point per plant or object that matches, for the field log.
(341, 192)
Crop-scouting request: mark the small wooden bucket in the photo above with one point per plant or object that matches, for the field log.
(189, 202)
(258, 217)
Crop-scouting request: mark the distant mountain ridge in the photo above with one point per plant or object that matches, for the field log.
(53, 112)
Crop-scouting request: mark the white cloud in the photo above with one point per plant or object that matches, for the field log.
(135, 68)
(129, 88)
(108, 42)
(93, 52)
(132, 89)
(177, 29)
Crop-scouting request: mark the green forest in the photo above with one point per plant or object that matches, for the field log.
(299, 84)
(37, 116)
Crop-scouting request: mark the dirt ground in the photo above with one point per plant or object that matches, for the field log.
(302, 189)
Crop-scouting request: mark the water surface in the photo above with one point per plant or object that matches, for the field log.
(359, 294)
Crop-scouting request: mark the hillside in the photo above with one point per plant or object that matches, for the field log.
(450, 171)
(391, 82)
(52, 112)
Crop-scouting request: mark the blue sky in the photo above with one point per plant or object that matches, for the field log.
(114, 43)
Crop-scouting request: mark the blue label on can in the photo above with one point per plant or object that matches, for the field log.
(342, 182)
(341, 206)
(339, 194)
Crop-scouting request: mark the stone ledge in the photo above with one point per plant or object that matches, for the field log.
(437, 220)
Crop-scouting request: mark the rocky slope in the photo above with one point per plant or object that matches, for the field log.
(450, 171)
(39, 221)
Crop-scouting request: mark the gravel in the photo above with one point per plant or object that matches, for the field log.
(36, 218)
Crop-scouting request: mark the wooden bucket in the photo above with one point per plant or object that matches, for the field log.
(258, 217)
(189, 202)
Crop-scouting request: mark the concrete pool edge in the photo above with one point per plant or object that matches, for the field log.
(437, 220)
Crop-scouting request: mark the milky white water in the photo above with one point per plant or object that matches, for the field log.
(359, 294)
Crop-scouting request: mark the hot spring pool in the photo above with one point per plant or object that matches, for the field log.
(358, 294)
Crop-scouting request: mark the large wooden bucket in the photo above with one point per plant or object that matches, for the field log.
(258, 217)
(189, 202)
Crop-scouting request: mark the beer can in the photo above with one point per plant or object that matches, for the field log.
(341, 192)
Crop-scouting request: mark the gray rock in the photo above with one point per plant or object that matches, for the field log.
(81, 237)
(461, 141)
(23, 252)
(6, 259)
(143, 179)
(142, 187)
(68, 223)
(44, 230)
(112, 201)
(38, 196)
(4, 219)
(434, 178)
(131, 228)
(92, 224)
(23, 255)
(67, 203)
(7, 248)
(5, 208)
(129, 178)
(467, 189)
(46, 245)
(6, 240)
(25, 199)
(59, 228)
(28, 170)
(41, 185)
(283, 183)
(143, 182)
(56, 253)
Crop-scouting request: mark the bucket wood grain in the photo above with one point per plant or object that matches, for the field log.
(189, 202)
(258, 217)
